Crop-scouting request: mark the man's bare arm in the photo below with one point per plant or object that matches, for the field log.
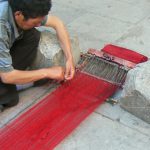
(64, 40)
(21, 77)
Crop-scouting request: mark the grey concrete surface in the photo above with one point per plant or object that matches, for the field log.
(100, 133)
(97, 22)
(122, 22)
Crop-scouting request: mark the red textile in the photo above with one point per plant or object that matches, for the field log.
(47, 123)
(124, 53)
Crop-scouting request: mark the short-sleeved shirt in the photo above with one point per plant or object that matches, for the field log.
(8, 34)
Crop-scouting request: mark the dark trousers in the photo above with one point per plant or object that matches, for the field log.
(23, 52)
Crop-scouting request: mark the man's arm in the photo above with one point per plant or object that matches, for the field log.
(21, 77)
(62, 34)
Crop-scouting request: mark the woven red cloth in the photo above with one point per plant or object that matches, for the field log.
(124, 53)
(48, 122)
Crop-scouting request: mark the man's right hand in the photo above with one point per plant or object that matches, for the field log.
(56, 72)
(22, 77)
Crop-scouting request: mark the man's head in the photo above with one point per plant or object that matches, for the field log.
(29, 13)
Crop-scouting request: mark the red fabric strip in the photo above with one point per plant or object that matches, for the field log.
(124, 53)
(47, 123)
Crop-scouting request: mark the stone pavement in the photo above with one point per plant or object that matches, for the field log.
(96, 23)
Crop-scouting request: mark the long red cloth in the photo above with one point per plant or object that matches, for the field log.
(124, 53)
(47, 123)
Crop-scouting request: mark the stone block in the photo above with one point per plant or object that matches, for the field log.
(51, 54)
(135, 97)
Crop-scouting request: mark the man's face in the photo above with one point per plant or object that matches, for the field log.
(27, 24)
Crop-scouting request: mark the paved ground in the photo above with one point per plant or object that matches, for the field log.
(122, 22)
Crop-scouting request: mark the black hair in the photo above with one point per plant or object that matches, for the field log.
(31, 8)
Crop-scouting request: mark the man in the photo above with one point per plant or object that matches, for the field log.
(18, 46)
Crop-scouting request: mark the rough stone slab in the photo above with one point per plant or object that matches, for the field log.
(126, 12)
(116, 113)
(136, 93)
(135, 123)
(137, 104)
(136, 2)
(50, 52)
(63, 11)
(137, 38)
(96, 28)
(133, 2)
(97, 132)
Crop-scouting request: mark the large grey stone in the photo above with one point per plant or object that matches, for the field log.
(50, 52)
(136, 93)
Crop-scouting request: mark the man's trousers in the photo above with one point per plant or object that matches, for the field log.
(23, 52)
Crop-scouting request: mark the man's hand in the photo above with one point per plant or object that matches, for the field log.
(57, 73)
(22, 77)
(64, 40)
(70, 69)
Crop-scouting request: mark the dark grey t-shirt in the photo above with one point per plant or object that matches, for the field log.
(8, 34)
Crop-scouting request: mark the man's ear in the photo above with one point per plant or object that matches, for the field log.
(18, 15)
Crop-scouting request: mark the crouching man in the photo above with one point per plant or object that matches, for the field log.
(18, 46)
